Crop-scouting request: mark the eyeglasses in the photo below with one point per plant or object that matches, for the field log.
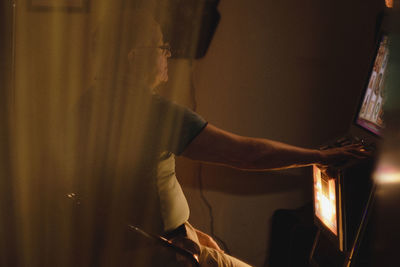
(166, 48)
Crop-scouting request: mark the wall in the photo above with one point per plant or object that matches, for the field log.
(286, 70)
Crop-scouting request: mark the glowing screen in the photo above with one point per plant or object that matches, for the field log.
(370, 116)
(325, 200)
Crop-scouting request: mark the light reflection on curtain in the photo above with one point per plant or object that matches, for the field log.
(75, 166)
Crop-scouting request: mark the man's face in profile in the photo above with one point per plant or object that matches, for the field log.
(150, 57)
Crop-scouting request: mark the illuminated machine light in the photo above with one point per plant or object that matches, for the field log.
(387, 174)
(325, 200)
(389, 3)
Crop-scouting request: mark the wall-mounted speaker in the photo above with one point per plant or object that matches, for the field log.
(188, 25)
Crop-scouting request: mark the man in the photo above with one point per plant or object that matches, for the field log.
(135, 135)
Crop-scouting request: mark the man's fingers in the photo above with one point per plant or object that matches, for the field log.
(359, 150)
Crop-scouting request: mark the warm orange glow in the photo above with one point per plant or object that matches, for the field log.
(389, 3)
(325, 200)
(387, 174)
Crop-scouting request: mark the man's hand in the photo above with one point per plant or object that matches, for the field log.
(207, 240)
(339, 157)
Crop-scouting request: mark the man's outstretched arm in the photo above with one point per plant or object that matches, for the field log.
(217, 146)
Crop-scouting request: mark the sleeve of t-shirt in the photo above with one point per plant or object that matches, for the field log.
(180, 125)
